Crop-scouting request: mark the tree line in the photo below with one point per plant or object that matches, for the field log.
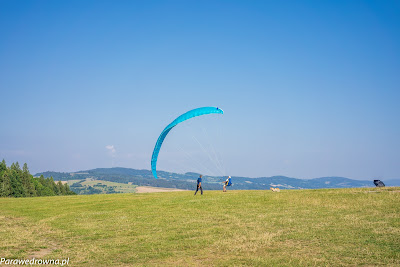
(15, 182)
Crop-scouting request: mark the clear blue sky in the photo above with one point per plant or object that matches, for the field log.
(309, 88)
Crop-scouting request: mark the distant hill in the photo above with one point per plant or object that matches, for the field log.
(392, 182)
(188, 180)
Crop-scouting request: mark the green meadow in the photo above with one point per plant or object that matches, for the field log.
(325, 227)
(104, 186)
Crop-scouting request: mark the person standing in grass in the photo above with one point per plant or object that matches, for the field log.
(199, 185)
(228, 182)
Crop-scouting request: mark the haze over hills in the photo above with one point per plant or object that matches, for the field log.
(188, 180)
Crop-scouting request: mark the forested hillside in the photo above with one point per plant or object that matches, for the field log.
(188, 180)
(15, 182)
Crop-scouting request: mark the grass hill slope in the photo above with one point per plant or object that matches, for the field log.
(255, 228)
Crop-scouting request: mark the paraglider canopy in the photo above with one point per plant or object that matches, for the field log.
(379, 183)
(188, 115)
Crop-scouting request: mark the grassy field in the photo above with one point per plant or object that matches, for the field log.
(103, 185)
(256, 228)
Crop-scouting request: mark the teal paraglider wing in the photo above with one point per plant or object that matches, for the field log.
(188, 115)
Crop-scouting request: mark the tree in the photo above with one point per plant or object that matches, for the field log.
(3, 167)
(26, 180)
(39, 187)
(61, 189)
(42, 180)
(52, 185)
(15, 166)
(17, 189)
(5, 186)
(48, 192)
(68, 190)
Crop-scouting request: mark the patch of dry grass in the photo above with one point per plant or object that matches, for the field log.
(21, 238)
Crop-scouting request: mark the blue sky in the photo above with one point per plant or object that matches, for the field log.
(309, 88)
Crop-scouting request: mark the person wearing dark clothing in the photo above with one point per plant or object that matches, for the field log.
(199, 185)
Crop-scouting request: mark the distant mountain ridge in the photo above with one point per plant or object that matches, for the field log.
(187, 180)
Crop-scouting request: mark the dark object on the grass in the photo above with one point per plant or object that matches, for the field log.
(379, 183)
